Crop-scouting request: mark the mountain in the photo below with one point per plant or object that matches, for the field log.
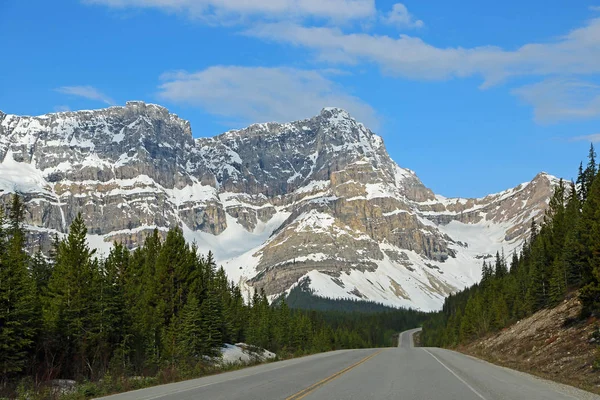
(317, 201)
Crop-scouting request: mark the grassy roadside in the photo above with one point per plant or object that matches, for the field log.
(584, 384)
(110, 385)
(120, 384)
(552, 344)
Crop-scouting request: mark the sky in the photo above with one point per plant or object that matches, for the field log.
(475, 97)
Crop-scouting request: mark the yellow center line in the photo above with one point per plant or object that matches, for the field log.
(305, 392)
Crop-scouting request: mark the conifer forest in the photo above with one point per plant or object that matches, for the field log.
(162, 310)
(561, 258)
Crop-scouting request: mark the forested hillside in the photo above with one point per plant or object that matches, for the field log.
(562, 255)
(162, 307)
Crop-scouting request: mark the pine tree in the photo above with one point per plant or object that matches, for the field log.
(143, 297)
(581, 184)
(514, 263)
(41, 271)
(500, 269)
(533, 231)
(590, 170)
(19, 317)
(282, 328)
(590, 221)
(487, 273)
(73, 301)
(537, 291)
(113, 321)
(212, 320)
(192, 336)
(558, 283)
(172, 274)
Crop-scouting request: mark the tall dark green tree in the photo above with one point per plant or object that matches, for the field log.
(72, 307)
(19, 317)
(590, 224)
(113, 318)
(591, 169)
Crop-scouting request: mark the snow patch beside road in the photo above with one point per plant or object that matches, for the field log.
(241, 353)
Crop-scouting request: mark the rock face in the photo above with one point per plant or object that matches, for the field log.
(318, 199)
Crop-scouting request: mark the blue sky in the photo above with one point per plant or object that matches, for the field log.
(475, 97)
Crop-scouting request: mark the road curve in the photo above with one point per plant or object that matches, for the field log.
(406, 373)
(406, 338)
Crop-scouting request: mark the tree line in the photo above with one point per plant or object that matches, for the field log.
(561, 256)
(163, 306)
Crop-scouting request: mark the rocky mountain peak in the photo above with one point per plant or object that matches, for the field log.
(335, 113)
(318, 199)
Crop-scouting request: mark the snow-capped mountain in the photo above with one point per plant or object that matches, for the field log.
(318, 199)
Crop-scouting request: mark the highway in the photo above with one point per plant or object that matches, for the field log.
(405, 373)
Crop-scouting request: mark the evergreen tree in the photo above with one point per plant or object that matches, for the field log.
(558, 283)
(192, 334)
(73, 302)
(591, 169)
(212, 320)
(581, 184)
(41, 272)
(113, 319)
(500, 269)
(590, 223)
(487, 273)
(18, 299)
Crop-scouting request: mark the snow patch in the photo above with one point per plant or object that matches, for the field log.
(241, 353)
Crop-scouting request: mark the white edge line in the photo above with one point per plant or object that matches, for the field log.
(457, 377)
(553, 385)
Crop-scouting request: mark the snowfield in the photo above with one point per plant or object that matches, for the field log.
(319, 173)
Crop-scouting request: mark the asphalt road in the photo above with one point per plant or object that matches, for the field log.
(405, 373)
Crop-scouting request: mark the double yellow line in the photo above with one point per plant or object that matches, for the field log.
(303, 393)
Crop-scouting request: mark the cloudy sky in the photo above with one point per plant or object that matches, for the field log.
(474, 96)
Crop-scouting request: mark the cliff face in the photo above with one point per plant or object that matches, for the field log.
(317, 199)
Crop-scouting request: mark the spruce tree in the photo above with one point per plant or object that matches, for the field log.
(500, 269)
(41, 271)
(581, 183)
(487, 273)
(558, 282)
(192, 336)
(590, 170)
(114, 321)
(212, 320)
(590, 220)
(73, 301)
(19, 317)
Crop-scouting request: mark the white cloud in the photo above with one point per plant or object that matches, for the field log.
(256, 94)
(577, 52)
(400, 17)
(405, 56)
(594, 138)
(314, 25)
(88, 92)
(226, 11)
(561, 99)
(62, 108)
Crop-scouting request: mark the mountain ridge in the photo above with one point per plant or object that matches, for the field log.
(278, 203)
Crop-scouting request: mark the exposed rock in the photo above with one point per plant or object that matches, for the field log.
(275, 202)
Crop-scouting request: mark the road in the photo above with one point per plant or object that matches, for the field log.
(405, 373)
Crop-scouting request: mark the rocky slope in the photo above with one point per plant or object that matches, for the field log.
(552, 343)
(318, 199)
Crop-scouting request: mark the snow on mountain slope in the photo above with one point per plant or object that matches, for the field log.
(316, 199)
